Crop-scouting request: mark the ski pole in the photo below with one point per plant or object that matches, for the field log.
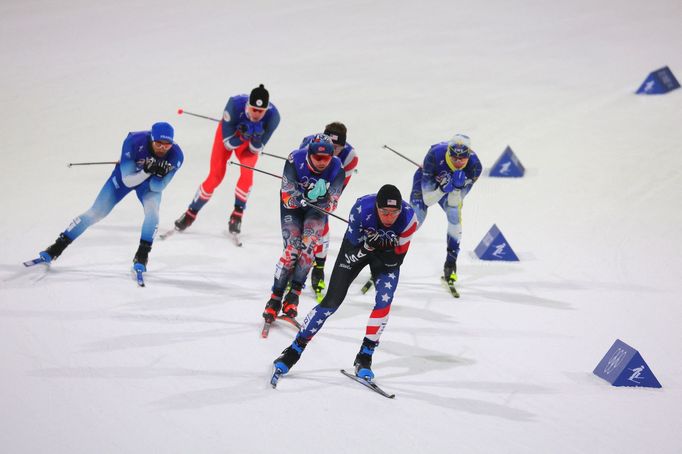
(303, 201)
(71, 164)
(274, 156)
(402, 156)
(257, 170)
(182, 111)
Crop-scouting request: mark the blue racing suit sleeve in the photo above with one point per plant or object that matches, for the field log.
(354, 232)
(229, 124)
(473, 170)
(290, 193)
(131, 171)
(431, 190)
(157, 184)
(270, 126)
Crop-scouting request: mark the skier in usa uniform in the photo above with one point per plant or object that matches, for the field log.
(380, 227)
(246, 127)
(149, 160)
(312, 176)
(346, 153)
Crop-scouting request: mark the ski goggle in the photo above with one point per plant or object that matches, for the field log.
(321, 158)
(459, 151)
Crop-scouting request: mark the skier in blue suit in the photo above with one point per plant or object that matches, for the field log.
(149, 160)
(449, 172)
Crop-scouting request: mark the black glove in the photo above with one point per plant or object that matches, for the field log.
(389, 240)
(157, 167)
(148, 164)
(373, 240)
(162, 168)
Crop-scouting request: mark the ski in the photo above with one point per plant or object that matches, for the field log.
(35, 262)
(167, 234)
(368, 285)
(275, 377)
(291, 320)
(369, 384)
(450, 285)
(265, 330)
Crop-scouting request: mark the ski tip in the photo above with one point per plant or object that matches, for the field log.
(275, 377)
(265, 330)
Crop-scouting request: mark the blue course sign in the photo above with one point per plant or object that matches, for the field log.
(507, 165)
(494, 246)
(624, 366)
(659, 82)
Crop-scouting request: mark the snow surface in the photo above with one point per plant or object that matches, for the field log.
(91, 363)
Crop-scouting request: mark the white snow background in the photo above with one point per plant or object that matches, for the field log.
(92, 363)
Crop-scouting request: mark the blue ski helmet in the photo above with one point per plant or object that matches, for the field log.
(321, 144)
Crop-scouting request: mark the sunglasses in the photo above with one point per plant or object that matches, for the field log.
(392, 212)
(163, 144)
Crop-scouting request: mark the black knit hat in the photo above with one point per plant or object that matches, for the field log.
(259, 97)
(389, 197)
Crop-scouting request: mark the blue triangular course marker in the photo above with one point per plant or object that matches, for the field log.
(494, 246)
(658, 82)
(624, 366)
(507, 165)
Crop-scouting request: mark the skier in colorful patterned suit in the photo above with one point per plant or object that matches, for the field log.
(449, 172)
(380, 227)
(246, 127)
(149, 160)
(312, 176)
(346, 153)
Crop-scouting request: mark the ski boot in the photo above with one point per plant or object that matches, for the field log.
(185, 220)
(55, 250)
(142, 254)
(368, 285)
(450, 277)
(363, 360)
(290, 306)
(317, 280)
(290, 355)
(140, 261)
(272, 308)
(450, 272)
(235, 224)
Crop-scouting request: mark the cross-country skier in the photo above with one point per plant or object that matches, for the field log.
(346, 153)
(449, 172)
(312, 176)
(246, 127)
(380, 227)
(149, 160)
